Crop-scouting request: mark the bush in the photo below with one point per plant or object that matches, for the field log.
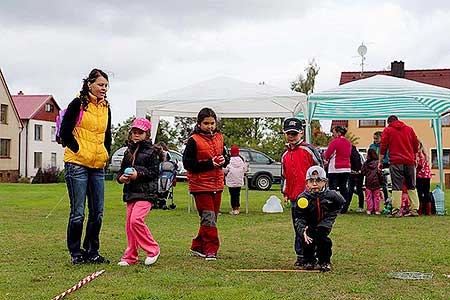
(61, 176)
(50, 175)
(24, 180)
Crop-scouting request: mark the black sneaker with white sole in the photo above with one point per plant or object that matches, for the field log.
(210, 257)
(77, 260)
(97, 259)
(198, 253)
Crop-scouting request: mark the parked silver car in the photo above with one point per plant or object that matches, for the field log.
(116, 161)
(263, 171)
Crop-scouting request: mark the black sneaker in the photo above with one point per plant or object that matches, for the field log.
(210, 257)
(309, 266)
(97, 259)
(77, 260)
(298, 263)
(325, 267)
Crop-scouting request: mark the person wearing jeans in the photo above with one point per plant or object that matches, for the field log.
(86, 135)
(84, 182)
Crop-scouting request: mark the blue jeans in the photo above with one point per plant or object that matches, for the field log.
(81, 182)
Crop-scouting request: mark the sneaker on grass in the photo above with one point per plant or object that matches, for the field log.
(210, 257)
(325, 267)
(97, 259)
(123, 263)
(198, 253)
(150, 260)
(77, 260)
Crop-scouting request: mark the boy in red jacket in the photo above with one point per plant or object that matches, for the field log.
(295, 161)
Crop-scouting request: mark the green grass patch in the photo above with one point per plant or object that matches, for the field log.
(34, 261)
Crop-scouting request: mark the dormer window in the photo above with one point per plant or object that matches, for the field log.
(49, 107)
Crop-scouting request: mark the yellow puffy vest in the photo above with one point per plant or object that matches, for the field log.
(90, 135)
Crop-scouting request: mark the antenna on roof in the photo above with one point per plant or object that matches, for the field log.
(362, 50)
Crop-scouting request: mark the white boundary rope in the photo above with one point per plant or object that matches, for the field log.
(79, 284)
(50, 213)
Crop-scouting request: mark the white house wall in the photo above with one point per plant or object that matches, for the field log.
(47, 146)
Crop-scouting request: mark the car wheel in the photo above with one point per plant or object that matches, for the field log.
(263, 182)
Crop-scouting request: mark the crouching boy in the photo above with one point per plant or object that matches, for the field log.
(314, 215)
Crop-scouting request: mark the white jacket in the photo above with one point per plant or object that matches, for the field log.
(234, 172)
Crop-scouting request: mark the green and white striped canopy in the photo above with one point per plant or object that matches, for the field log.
(380, 96)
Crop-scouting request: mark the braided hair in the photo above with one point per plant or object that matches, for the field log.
(92, 77)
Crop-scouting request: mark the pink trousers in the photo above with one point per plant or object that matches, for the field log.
(138, 234)
(373, 199)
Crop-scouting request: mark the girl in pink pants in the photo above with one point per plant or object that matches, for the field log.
(139, 173)
(374, 181)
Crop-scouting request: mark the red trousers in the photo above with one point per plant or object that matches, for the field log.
(208, 205)
(138, 234)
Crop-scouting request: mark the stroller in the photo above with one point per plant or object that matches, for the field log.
(166, 182)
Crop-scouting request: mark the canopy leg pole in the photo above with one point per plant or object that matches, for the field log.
(246, 194)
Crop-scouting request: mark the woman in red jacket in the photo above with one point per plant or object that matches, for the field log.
(203, 158)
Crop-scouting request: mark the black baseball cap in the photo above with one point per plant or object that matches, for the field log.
(293, 124)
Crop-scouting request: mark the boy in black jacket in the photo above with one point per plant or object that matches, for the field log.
(315, 214)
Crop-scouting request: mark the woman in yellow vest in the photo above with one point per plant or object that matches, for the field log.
(86, 134)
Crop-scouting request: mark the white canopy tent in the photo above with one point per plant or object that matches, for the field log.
(228, 97)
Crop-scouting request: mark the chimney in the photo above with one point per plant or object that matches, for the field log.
(398, 69)
(20, 93)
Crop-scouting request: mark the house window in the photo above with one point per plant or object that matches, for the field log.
(48, 107)
(37, 160)
(53, 134)
(3, 114)
(53, 160)
(372, 123)
(446, 121)
(38, 132)
(445, 158)
(5, 148)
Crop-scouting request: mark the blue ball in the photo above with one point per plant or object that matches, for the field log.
(128, 171)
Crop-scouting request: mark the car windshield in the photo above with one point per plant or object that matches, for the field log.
(175, 156)
(260, 158)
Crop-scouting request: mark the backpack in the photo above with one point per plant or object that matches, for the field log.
(355, 160)
(59, 119)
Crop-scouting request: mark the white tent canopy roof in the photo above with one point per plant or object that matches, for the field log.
(228, 97)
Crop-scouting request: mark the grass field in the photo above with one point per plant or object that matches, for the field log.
(34, 262)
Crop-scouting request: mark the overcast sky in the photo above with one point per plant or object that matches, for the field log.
(149, 47)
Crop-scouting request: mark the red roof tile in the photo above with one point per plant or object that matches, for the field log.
(437, 77)
(28, 105)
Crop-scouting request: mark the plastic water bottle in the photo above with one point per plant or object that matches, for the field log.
(438, 195)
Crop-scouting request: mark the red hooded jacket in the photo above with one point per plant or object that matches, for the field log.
(295, 161)
(402, 142)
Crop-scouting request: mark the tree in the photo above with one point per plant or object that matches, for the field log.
(166, 134)
(306, 85)
(183, 128)
(120, 134)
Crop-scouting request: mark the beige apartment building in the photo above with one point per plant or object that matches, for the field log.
(10, 128)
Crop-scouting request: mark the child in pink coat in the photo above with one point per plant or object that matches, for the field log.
(234, 178)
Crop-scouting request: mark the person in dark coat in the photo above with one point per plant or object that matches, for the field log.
(315, 214)
(374, 182)
(139, 172)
